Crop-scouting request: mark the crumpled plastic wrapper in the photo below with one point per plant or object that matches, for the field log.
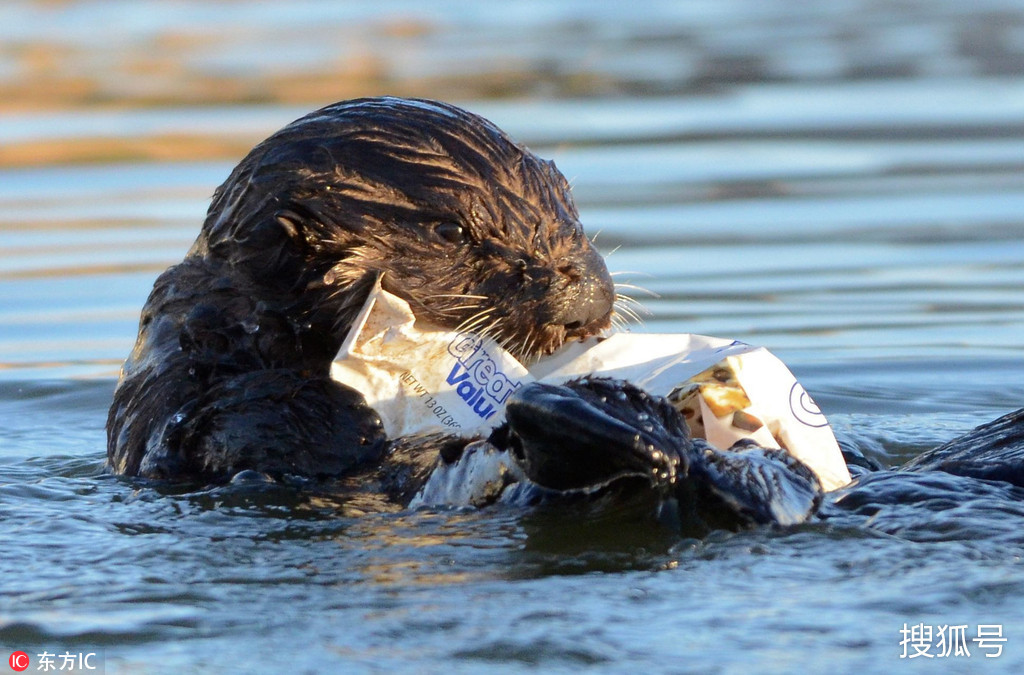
(420, 378)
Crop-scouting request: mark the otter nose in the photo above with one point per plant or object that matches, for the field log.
(589, 310)
(590, 293)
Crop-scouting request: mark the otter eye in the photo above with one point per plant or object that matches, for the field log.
(451, 232)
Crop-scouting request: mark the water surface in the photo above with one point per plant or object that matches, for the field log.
(840, 182)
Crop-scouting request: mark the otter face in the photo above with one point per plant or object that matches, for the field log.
(473, 230)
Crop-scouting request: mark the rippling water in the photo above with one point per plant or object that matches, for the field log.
(840, 182)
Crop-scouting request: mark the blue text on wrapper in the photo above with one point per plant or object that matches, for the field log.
(476, 376)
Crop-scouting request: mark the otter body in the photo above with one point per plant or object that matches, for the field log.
(230, 371)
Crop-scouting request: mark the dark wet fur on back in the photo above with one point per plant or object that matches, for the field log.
(231, 367)
(993, 451)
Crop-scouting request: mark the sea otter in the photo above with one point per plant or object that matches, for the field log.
(230, 371)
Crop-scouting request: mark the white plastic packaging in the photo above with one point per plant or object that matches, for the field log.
(420, 379)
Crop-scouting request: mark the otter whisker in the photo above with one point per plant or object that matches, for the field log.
(466, 296)
(483, 332)
(456, 308)
(478, 330)
(627, 319)
(533, 344)
(634, 287)
(628, 312)
(474, 320)
(624, 299)
(503, 337)
(415, 300)
(629, 305)
(480, 316)
(524, 344)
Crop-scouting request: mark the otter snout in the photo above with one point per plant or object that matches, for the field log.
(588, 296)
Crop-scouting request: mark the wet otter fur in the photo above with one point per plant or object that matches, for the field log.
(230, 371)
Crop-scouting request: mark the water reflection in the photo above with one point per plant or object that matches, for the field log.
(838, 181)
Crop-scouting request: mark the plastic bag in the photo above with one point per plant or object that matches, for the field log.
(420, 378)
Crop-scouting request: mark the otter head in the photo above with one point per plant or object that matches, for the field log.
(474, 231)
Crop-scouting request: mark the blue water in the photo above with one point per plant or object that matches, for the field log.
(840, 182)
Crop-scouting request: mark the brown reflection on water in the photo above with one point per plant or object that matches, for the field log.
(419, 548)
(191, 61)
(98, 54)
(121, 149)
(57, 272)
(239, 60)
